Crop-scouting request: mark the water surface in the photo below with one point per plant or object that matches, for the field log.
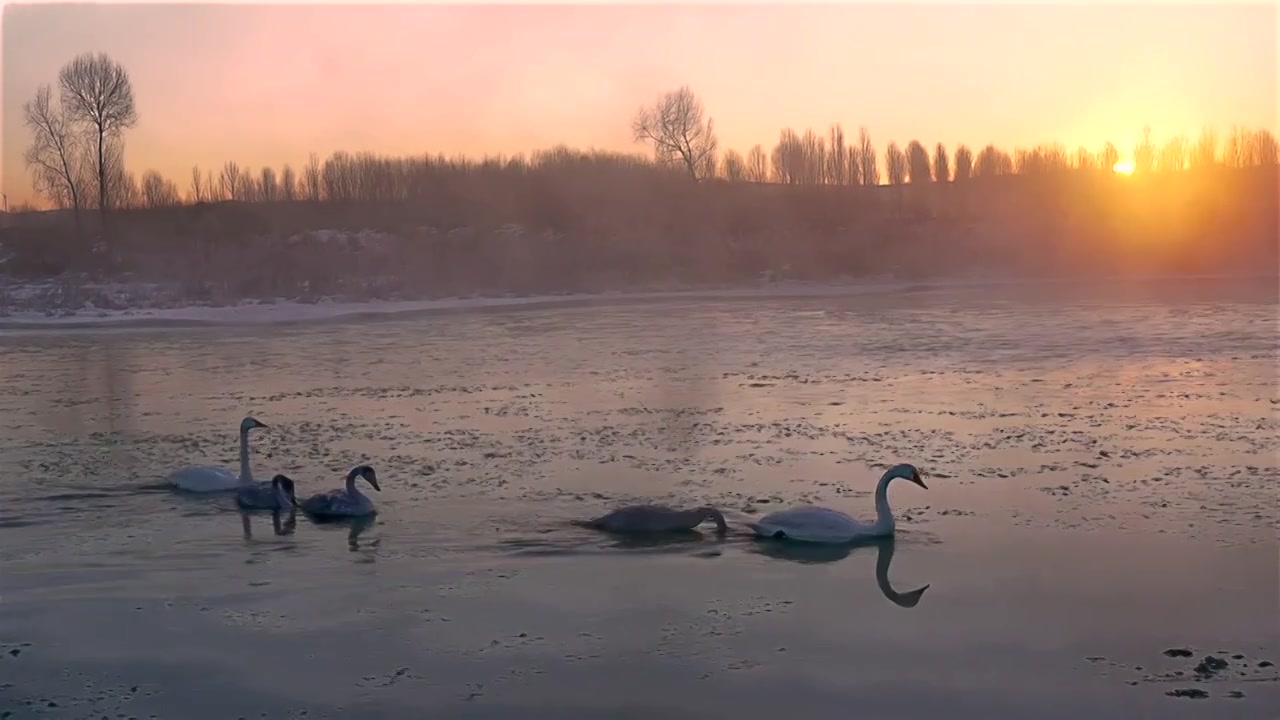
(1102, 488)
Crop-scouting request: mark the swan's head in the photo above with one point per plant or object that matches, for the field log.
(250, 423)
(906, 471)
(366, 472)
(709, 513)
(283, 483)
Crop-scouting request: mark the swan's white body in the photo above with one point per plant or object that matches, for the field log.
(823, 525)
(344, 502)
(214, 478)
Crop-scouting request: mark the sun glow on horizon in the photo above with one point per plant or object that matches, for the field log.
(1123, 167)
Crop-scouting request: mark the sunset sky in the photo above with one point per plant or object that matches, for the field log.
(268, 84)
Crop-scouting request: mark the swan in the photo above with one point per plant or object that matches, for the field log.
(823, 525)
(344, 502)
(275, 495)
(655, 519)
(214, 478)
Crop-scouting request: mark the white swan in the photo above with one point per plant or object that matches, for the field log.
(275, 495)
(214, 478)
(344, 502)
(823, 525)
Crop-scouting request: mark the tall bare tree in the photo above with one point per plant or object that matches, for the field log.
(197, 185)
(895, 164)
(964, 163)
(97, 93)
(268, 187)
(1085, 159)
(757, 165)
(941, 164)
(1173, 155)
(837, 157)
(1205, 151)
(229, 181)
(1144, 154)
(54, 154)
(867, 151)
(1109, 156)
(674, 125)
(288, 184)
(918, 170)
(311, 178)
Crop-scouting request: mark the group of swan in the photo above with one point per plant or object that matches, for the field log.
(278, 494)
(801, 524)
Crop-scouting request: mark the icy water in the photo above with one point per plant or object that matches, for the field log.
(1102, 489)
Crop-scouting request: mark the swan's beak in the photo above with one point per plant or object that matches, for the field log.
(373, 480)
(917, 480)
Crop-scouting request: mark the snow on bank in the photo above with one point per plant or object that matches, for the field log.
(281, 311)
(254, 312)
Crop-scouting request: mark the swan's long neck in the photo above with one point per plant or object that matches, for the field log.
(352, 490)
(246, 475)
(884, 516)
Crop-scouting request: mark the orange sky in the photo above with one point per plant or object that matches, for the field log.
(267, 84)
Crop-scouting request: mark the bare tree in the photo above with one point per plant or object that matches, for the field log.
(918, 170)
(992, 161)
(1205, 152)
(853, 162)
(268, 188)
(1173, 155)
(732, 166)
(1109, 157)
(311, 178)
(867, 151)
(158, 191)
(1085, 159)
(54, 154)
(941, 164)
(211, 189)
(1144, 155)
(247, 187)
(288, 184)
(229, 181)
(895, 164)
(837, 157)
(675, 127)
(97, 93)
(197, 185)
(757, 165)
(787, 158)
(964, 163)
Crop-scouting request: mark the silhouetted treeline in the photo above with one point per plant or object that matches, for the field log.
(818, 204)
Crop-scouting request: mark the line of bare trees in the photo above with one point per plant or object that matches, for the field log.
(76, 156)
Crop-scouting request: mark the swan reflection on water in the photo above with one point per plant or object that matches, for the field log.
(355, 527)
(285, 527)
(810, 553)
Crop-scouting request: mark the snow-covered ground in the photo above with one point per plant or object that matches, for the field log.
(151, 305)
(57, 304)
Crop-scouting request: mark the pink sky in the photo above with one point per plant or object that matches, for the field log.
(268, 84)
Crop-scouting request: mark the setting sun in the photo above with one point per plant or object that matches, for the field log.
(1124, 167)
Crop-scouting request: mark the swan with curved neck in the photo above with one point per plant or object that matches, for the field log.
(215, 478)
(819, 524)
(656, 519)
(347, 501)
